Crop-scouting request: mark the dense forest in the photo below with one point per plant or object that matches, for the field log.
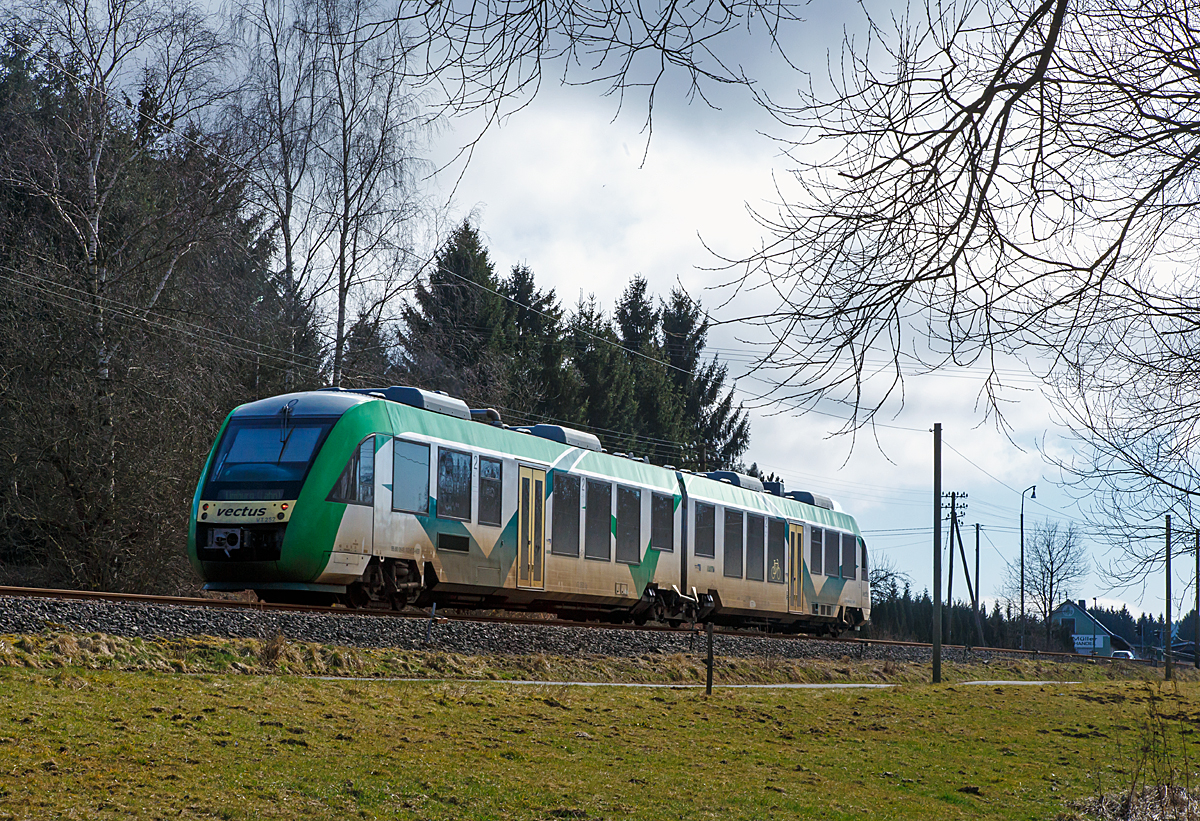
(164, 259)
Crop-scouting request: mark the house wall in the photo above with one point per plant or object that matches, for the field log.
(1089, 638)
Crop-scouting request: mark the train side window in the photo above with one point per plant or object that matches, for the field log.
(356, 485)
(863, 545)
(755, 548)
(814, 552)
(598, 523)
(733, 544)
(833, 544)
(454, 485)
(662, 522)
(410, 477)
(564, 531)
(706, 531)
(776, 548)
(629, 525)
(849, 554)
(491, 489)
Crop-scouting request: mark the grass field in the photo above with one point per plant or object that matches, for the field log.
(123, 739)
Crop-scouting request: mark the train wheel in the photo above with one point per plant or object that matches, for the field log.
(355, 597)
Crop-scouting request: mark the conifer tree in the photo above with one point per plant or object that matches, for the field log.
(606, 397)
(659, 423)
(367, 362)
(454, 328)
(540, 384)
(719, 432)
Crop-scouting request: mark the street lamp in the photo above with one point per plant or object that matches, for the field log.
(1032, 495)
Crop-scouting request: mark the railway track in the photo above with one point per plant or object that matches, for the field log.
(509, 619)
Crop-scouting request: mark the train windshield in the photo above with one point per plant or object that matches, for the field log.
(265, 458)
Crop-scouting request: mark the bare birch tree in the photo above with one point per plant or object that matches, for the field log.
(335, 128)
(276, 112)
(369, 164)
(1056, 562)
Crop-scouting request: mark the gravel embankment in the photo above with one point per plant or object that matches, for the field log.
(35, 615)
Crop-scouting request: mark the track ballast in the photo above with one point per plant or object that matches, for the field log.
(24, 611)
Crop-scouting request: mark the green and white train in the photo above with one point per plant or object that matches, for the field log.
(400, 496)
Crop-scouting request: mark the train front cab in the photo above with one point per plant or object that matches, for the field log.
(252, 521)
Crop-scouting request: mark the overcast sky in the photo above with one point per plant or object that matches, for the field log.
(568, 187)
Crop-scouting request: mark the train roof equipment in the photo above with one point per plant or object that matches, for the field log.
(814, 499)
(567, 436)
(415, 397)
(736, 479)
(488, 416)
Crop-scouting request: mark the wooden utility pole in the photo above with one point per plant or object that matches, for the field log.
(972, 589)
(1167, 637)
(950, 580)
(937, 553)
(977, 620)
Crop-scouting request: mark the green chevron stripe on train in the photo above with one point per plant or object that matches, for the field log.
(396, 496)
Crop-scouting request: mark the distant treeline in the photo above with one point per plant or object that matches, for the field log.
(899, 614)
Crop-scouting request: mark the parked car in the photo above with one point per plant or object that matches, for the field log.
(1122, 654)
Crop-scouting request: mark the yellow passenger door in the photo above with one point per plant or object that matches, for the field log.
(795, 568)
(531, 554)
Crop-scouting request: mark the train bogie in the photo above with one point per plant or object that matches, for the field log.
(404, 497)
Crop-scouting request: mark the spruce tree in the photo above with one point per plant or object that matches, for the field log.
(540, 385)
(659, 423)
(719, 431)
(368, 362)
(454, 327)
(606, 396)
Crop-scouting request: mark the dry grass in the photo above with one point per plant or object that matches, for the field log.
(282, 655)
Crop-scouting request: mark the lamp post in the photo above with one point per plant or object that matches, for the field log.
(1032, 495)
